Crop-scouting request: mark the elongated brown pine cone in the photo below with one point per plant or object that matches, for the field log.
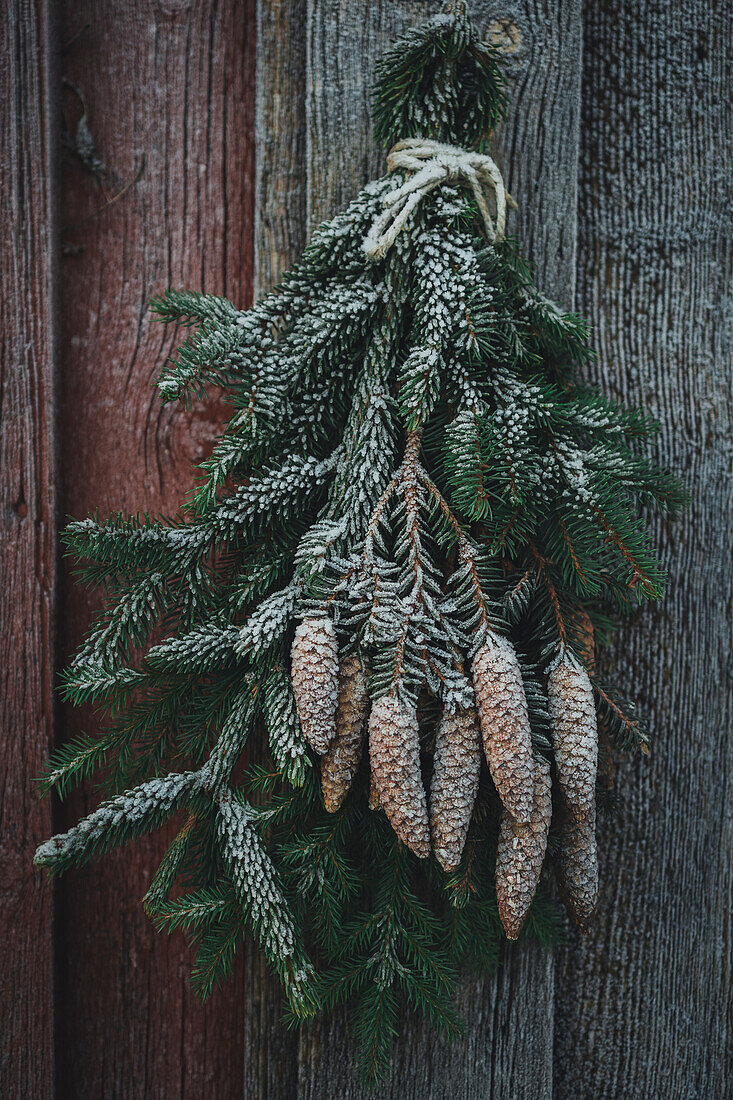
(521, 852)
(373, 795)
(577, 868)
(394, 754)
(456, 768)
(341, 762)
(502, 710)
(575, 733)
(314, 672)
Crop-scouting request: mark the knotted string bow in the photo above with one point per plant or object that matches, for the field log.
(433, 164)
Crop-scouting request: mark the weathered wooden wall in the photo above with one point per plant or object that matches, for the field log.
(169, 91)
(643, 1007)
(228, 130)
(27, 539)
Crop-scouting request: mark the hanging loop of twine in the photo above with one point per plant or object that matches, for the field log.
(432, 164)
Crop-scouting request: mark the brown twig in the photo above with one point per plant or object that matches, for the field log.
(542, 571)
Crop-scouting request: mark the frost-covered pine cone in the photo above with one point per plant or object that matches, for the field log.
(575, 732)
(341, 762)
(577, 868)
(502, 709)
(520, 853)
(314, 671)
(456, 768)
(394, 754)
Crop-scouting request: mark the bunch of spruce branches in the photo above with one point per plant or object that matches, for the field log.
(328, 375)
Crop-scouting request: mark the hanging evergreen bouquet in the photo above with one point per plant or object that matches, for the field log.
(360, 665)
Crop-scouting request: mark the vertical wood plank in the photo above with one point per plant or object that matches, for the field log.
(508, 1050)
(643, 1005)
(27, 542)
(270, 1049)
(169, 92)
(345, 38)
(538, 146)
(280, 181)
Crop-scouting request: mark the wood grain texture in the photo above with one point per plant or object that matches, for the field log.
(280, 176)
(344, 39)
(27, 543)
(270, 1049)
(537, 148)
(640, 1008)
(643, 1005)
(169, 93)
(508, 1050)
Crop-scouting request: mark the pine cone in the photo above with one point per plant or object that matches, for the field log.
(394, 753)
(314, 671)
(455, 782)
(577, 868)
(575, 733)
(341, 762)
(502, 711)
(521, 852)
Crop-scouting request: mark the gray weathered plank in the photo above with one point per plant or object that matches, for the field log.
(508, 1050)
(344, 39)
(537, 147)
(27, 542)
(280, 180)
(643, 1006)
(271, 1050)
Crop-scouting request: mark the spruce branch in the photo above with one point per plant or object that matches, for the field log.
(123, 818)
(259, 893)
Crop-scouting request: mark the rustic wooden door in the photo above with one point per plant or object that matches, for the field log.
(214, 134)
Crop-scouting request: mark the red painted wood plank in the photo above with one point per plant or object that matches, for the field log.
(27, 546)
(169, 94)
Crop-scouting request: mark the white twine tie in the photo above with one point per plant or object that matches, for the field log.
(434, 164)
